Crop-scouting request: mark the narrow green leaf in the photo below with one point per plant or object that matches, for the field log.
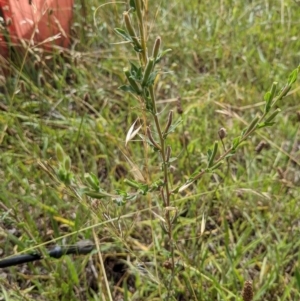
(160, 55)
(127, 88)
(268, 99)
(213, 154)
(232, 153)
(136, 72)
(273, 90)
(209, 152)
(297, 277)
(132, 183)
(121, 32)
(147, 71)
(97, 195)
(265, 124)
(272, 116)
(132, 5)
(92, 180)
(252, 125)
(216, 166)
(151, 78)
(72, 270)
(293, 77)
(236, 142)
(267, 96)
(284, 91)
(134, 85)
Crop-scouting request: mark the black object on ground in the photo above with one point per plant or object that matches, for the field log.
(80, 248)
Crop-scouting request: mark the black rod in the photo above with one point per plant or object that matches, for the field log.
(80, 248)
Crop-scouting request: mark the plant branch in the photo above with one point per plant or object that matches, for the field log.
(253, 126)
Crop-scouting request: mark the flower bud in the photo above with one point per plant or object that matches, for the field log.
(222, 133)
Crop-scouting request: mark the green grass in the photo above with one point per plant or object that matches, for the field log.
(225, 57)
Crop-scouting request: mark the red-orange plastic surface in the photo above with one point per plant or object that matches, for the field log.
(40, 23)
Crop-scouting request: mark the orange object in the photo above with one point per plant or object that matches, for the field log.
(40, 23)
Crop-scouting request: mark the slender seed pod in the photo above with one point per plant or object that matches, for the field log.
(179, 106)
(22, 86)
(169, 123)
(168, 153)
(86, 97)
(155, 144)
(156, 48)
(130, 29)
(260, 147)
(147, 71)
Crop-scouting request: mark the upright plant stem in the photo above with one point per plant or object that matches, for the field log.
(139, 12)
(166, 187)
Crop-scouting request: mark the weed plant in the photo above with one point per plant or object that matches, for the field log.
(143, 77)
